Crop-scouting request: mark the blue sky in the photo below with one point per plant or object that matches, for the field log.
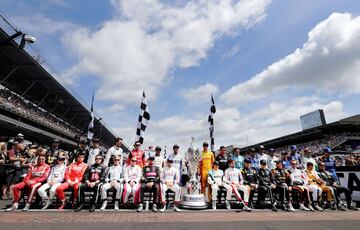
(266, 62)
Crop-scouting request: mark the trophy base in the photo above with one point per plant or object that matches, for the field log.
(193, 201)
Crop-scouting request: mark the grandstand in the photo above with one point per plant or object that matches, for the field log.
(342, 136)
(34, 103)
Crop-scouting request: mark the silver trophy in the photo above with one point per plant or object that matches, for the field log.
(194, 199)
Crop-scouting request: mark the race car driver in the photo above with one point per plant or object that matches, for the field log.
(33, 180)
(169, 180)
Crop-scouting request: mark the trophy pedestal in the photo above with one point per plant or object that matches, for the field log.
(193, 201)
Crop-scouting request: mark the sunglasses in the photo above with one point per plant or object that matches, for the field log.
(133, 160)
(137, 145)
(293, 164)
(98, 158)
(116, 159)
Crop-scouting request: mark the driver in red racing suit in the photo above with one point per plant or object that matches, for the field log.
(73, 177)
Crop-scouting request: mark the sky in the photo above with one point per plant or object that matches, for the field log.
(265, 62)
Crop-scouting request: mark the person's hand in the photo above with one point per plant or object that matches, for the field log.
(50, 183)
(273, 186)
(132, 183)
(290, 188)
(71, 183)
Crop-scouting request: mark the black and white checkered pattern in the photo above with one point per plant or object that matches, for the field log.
(144, 118)
(90, 132)
(211, 123)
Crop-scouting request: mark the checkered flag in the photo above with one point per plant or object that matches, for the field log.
(144, 118)
(211, 123)
(90, 132)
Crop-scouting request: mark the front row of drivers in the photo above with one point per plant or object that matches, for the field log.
(134, 180)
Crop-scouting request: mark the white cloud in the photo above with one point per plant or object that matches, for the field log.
(328, 62)
(200, 94)
(146, 40)
(234, 127)
(38, 24)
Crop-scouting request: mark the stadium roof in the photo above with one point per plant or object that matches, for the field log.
(349, 124)
(21, 73)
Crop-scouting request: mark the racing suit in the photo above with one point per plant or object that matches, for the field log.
(207, 159)
(223, 162)
(250, 177)
(132, 175)
(330, 181)
(170, 175)
(111, 153)
(282, 182)
(298, 184)
(329, 165)
(311, 177)
(54, 180)
(159, 162)
(90, 158)
(215, 180)
(151, 174)
(73, 174)
(33, 180)
(96, 173)
(179, 163)
(264, 188)
(140, 157)
(234, 182)
(115, 179)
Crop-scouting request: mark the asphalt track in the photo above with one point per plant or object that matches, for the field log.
(207, 219)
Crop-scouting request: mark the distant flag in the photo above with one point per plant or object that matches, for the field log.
(211, 123)
(144, 118)
(90, 132)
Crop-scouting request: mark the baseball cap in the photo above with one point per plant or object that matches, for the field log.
(247, 160)
(175, 146)
(170, 159)
(216, 163)
(293, 147)
(263, 162)
(327, 150)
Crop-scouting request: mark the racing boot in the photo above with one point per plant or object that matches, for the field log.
(214, 204)
(154, 208)
(79, 207)
(92, 208)
(27, 207)
(228, 205)
(291, 208)
(116, 205)
(247, 208)
(140, 207)
(12, 208)
(274, 208)
(317, 207)
(176, 208)
(302, 207)
(62, 206)
(340, 207)
(47, 204)
(163, 208)
(310, 207)
(104, 204)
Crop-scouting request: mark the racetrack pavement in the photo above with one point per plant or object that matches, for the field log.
(186, 219)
